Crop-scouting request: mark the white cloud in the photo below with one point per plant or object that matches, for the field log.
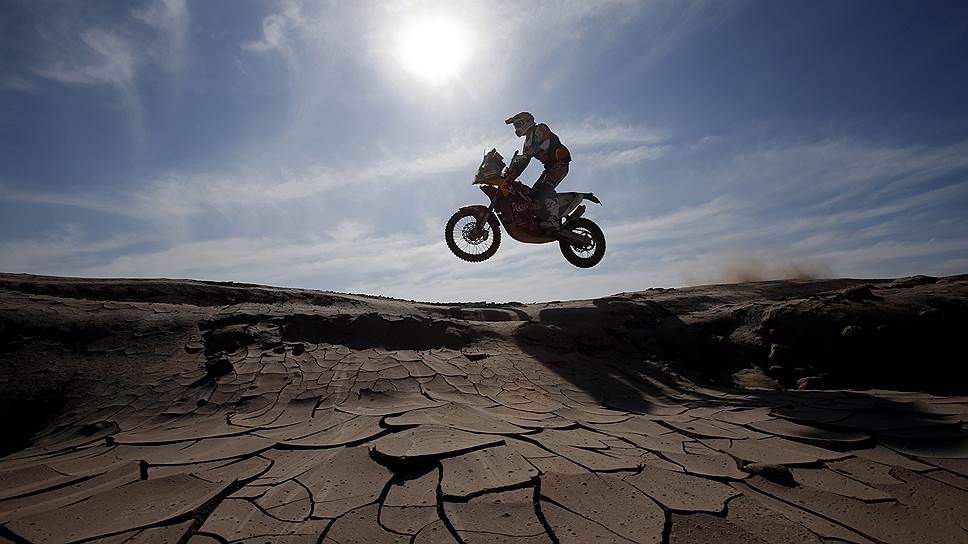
(835, 170)
(270, 220)
(73, 50)
(600, 132)
(274, 28)
(350, 253)
(624, 157)
(236, 190)
(338, 249)
(170, 19)
(104, 58)
(870, 256)
(690, 222)
(65, 251)
(58, 199)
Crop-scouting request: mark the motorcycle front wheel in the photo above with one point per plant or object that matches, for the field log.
(469, 242)
(584, 256)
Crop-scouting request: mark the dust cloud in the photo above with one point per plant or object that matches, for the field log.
(742, 269)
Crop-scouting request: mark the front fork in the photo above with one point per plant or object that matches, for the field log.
(481, 221)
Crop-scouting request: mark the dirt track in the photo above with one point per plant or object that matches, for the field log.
(170, 410)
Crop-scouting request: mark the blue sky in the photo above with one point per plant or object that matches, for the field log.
(309, 145)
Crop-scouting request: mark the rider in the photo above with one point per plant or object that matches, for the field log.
(544, 145)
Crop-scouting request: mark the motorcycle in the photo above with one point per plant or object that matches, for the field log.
(473, 233)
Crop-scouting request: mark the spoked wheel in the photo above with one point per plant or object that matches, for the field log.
(469, 241)
(588, 255)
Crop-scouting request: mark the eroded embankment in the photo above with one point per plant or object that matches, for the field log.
(903, 334)
(608, 420)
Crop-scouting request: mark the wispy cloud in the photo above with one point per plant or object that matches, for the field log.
(602, 144)
(92, 53)
(170, 20)
(690, 222)
(625, 157)
(275, 27)
(76, 50)
(600, 132)
(661, 248)
(104, 58)
(331, 167)
(64, 251)
(99, 204)
(256, 183)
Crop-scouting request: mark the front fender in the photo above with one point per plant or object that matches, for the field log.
(490, 191)
(480, 212)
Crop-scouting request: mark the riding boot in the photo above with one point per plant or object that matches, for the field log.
(551, 221)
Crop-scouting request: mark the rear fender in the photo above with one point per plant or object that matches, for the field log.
(568, 202)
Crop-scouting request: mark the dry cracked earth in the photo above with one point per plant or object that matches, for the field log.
(148, 411)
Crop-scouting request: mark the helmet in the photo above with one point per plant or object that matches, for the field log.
(522, 122)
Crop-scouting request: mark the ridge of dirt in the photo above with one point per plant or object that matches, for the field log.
(168, 410)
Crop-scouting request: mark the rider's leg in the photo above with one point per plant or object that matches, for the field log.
(544, 194)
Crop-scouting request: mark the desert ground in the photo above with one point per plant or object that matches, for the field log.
(152, 411)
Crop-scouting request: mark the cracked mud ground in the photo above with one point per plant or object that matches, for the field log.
(147, 411)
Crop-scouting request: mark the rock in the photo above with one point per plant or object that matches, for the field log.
(859, 294)
(571, 528)
(777, 371)
(218, 366)
(507, 516)
(912, 281)
(483, 470)
(343, 481)
(851, 331)
(812, 382)
(606, 500)
(360, 525)
(747, 522)
(773, 450)
(227, 339)
(682, 492)
(779, 354)
(754, 378)
(808, 433)
(427, 442)
(137, 504)
(774, 473)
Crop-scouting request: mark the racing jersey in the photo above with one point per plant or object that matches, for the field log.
(545, 146)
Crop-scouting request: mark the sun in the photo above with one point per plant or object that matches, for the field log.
(434, 50)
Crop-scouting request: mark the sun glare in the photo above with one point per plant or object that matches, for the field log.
(434, 50)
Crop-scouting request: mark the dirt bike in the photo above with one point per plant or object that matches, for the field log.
(474, 232)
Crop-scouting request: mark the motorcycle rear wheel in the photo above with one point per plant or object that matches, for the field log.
(467, 242)
(584, 256)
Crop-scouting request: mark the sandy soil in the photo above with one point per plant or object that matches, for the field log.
(144, 411)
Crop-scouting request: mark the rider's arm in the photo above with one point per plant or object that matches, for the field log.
(519, 162)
